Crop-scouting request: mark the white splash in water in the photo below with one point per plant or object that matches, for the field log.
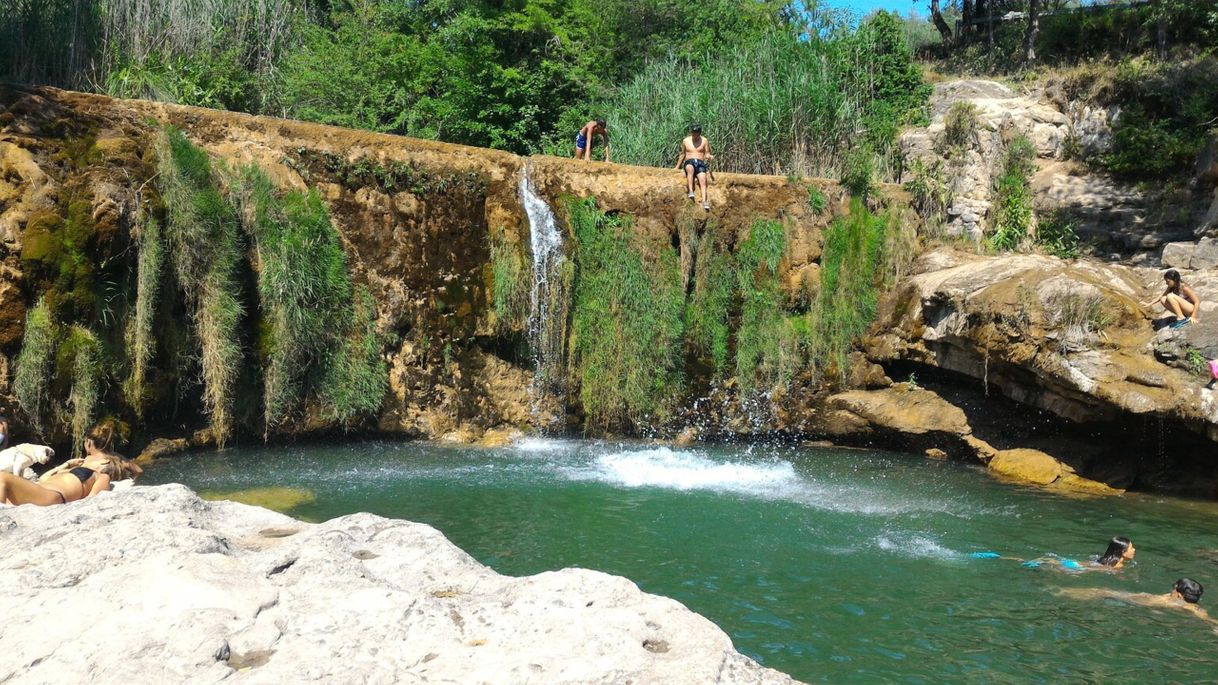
(915, 546)
(547, 306)
(665, 468)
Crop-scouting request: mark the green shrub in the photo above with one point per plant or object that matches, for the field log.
(202, 233)
(707, 326)
(761, 334)
(34, 367)
(1013, 196)
(626, 329)
(140, 339)
(1056, 234)
(931, 193)
(858, 171)
(959, 129)
(817, 200)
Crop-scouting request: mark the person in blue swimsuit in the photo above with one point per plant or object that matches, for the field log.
(586, 138)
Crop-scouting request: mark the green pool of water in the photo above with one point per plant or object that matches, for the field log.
(832, 565)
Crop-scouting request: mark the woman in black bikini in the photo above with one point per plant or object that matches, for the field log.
(99, 468)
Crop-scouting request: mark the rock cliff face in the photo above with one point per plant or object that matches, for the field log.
(154, 585)
(422, 247)
(997, 353)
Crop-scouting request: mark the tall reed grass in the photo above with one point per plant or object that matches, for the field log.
(202, 232)
(785, 104)
(140, 339)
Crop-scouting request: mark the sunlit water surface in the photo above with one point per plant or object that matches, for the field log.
(832, 565)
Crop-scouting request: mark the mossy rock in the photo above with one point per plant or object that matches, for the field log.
(281, 499)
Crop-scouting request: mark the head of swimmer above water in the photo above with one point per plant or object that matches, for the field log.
(1120, 550)
(1187, 589)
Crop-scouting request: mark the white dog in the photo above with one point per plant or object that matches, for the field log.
(17, 460)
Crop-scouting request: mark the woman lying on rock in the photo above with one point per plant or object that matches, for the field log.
(94, 474)
(1178, 299)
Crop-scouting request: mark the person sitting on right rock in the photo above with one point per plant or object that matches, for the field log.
(1178, 299)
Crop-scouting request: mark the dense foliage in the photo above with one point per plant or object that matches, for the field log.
(521, 76)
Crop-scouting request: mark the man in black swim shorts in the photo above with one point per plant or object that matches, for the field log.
(695, 153)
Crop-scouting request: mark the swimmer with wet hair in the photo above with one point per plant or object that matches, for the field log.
(1120, 550)
(1185, 594)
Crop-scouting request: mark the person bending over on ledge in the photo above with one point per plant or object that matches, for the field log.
(93, 475)
(1185, 594)
(1120, 550)
(695, 153)
(586, 137)
(1178, 299)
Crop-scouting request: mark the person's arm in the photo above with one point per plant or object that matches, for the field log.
(709, 156)
(100, 482)
(681, 156)
(136, 471)
(1152, 302)
(606, 146)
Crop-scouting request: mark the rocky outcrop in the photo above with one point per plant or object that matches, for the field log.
(154, 585)
(1115, 220)
(1070, 339)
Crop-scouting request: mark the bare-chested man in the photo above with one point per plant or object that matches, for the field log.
(695, 153)
(1185, 594)
(587, 136)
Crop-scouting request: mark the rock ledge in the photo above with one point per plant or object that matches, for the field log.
(155, 585)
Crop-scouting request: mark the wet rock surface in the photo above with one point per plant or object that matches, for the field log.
(154, 585)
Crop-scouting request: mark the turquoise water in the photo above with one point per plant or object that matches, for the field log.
(832, 565)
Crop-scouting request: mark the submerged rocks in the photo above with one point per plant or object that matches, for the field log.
(154, 585)
(1034, 467)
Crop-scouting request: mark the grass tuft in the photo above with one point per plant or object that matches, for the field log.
(707, 328)
(141, 343)
(86, 382)
(34, 364)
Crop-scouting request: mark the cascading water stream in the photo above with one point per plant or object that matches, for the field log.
(548, 302)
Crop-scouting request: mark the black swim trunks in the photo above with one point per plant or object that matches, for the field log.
(699, 166)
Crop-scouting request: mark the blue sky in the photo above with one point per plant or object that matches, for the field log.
(863, 7)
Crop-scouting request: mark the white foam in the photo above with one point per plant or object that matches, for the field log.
(916, 546)
(662, 467)
(541, 445)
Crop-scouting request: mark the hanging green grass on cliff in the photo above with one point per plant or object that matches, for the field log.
(853, 271)
(764, 353)
(355, 379)
(31, 378)
(707, 330)
(510, 281)
(303, 289)
(202, 232)
(626, 321)
(82, 348)
(140, 340)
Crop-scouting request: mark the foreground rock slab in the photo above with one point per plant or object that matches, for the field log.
(155, 585)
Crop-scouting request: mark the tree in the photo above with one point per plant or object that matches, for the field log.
(936, 16)
(1029, 38)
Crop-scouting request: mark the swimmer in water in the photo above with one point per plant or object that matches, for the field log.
(1120, 550)
(1185, 594)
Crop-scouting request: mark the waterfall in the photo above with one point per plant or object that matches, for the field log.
(548, 298)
